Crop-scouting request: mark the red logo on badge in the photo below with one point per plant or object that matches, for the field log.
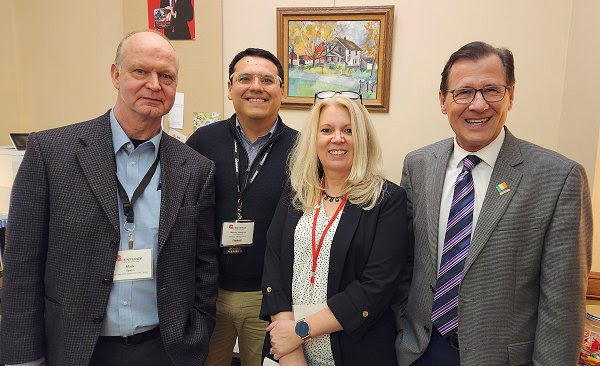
(118, 258)
(231, 226)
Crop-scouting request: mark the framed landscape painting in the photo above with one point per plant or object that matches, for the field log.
(337, 48)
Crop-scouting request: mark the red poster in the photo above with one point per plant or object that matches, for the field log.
(173, 18)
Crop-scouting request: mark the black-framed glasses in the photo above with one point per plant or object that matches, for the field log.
(330, 94)
(491, 93)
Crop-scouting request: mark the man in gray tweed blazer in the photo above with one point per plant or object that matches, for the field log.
(110, 257)
(516, 292)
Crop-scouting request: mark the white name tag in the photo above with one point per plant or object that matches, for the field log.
(133, 265)
(236, 233)
(302, 311)
(269, 362)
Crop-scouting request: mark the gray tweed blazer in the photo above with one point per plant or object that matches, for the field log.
(522, 296)
(63, 236)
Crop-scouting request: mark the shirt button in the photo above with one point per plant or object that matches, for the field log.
(365, 314)
(97, 320)
(124, 302)
(269, 289)
(107, 281)
(129, 146)
(133, 163)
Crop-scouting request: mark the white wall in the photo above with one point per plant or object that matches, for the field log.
(425, 34)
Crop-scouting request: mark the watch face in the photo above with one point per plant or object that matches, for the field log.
(302, 328)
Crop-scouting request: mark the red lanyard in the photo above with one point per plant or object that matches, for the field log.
(317, 249)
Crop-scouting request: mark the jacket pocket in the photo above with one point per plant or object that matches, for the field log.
(520, 353)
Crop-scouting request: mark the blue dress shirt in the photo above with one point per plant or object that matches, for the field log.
(252, 148)
(132, 306)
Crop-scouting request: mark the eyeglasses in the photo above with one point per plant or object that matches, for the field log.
(266, 80)
(491, 93)
(330, 94)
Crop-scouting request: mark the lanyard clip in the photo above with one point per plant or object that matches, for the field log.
(239, 209)
(129, 227)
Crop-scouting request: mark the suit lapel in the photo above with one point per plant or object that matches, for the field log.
(495, 204)
(339, 246)
(97, 160)
(174, 182)
(434, 185)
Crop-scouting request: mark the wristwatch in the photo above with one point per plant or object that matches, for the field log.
(302, 329)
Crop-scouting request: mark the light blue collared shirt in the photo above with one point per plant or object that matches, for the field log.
(252, 148)
(132, 306)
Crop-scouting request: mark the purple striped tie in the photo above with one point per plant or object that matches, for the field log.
(444, 314)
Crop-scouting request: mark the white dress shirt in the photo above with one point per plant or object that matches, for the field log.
(481, 179)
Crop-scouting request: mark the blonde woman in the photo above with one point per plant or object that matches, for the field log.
(336, 247)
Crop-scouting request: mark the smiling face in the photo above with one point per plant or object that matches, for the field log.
(255, 103)
(478, 123)
(335, 147)
(146, 79)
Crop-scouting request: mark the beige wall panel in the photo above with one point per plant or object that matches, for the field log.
(64, 52)
(8, 74)
(200, 61)
(579, 129)
(425, 33)
(580, 122)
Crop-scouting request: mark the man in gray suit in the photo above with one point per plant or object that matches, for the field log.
(502, 233)
(115, 187)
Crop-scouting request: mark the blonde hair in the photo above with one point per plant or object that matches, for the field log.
(365, 181)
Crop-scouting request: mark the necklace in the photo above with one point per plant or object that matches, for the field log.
(332, 198)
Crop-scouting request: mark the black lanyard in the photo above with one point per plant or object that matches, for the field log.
(128, 205)
(251, 171)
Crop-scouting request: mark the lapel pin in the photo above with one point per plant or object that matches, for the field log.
(502, 188)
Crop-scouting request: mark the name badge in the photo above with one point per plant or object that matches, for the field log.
(133, 265)
(301, 311)
(237, 233)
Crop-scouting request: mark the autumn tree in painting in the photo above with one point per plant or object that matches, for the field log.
(311, 38)
(371, 44)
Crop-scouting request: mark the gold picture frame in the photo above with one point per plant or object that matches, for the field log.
(335, 48)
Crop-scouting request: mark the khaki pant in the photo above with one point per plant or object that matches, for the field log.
(237, 316)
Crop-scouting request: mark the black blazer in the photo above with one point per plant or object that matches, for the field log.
(368, 254)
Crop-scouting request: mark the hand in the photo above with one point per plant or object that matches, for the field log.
(294, 358)
(283, 337)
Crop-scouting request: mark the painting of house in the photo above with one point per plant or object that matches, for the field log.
(344, 52)
(341, 48)
(333, 55)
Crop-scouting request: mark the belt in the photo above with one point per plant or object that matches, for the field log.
(453, 340)
(133, 339)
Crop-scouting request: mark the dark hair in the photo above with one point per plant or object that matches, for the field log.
(475, 51)
(256, 52)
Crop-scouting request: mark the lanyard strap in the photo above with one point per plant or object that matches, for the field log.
(251, 171)
(128, 205)
(317, 249)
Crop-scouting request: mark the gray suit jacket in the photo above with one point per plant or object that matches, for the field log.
(522, 295)
(63, 237)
